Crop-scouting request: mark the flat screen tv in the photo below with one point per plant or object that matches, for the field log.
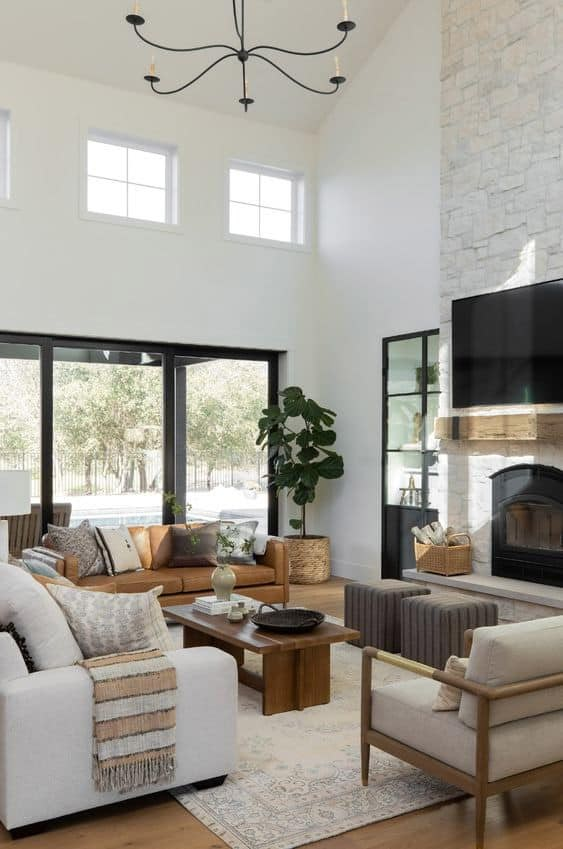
(507, 347)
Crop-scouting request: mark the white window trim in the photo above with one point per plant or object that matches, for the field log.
(299, 204)
(172, 180)
(9, 202)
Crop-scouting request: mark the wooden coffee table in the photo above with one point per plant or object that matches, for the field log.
(295, 667)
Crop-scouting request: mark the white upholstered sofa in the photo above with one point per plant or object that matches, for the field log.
(509, 727)
(46, 733)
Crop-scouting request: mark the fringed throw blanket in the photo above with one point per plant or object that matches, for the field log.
(134, 719)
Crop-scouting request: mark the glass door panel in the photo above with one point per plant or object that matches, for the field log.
(433, 364)
(108, 435)
(404, 478)
(218, 465)
(20, 403)
(404, 425)
(432, 408)
(404, 366)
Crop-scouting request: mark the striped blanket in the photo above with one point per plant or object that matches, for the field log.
(134, 719)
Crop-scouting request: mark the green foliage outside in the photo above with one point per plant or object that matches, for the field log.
(114, 414)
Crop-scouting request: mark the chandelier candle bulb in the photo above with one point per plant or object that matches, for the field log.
(337, 65)
(136, 9)
(152, 69)
(345, 10)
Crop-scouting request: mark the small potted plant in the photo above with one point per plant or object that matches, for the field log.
(300, 436)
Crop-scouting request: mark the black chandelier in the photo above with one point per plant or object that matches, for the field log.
(244, 54)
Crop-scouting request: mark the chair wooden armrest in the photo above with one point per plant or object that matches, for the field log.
(505, 691)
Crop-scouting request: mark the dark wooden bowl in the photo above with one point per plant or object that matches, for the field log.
(289, 620)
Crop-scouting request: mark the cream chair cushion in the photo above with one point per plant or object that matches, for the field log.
(404, 711)
(506, 654)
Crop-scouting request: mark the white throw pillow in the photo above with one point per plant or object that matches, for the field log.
(106, 623)
(37, 618)
(118, 550)
(448, 697)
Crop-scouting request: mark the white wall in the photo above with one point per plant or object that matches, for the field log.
(61, 273)
(379, 237)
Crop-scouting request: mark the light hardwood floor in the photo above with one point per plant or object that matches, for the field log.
(529, 818)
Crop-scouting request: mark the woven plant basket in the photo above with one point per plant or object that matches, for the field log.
(444, 559)
(309, 559)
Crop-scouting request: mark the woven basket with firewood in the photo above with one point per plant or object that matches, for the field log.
(441, 550)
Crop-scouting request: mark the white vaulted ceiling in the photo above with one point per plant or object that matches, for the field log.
(91, 40)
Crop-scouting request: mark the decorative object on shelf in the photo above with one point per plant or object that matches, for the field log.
(290, 620)
(244, 54)
(300, 459)
(223, 581)
(442, 551)
(411, 495)
(15, 500)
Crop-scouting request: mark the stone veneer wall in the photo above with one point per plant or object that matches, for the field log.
(502, 202)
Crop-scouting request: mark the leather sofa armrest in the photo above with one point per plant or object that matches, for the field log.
(276, 556)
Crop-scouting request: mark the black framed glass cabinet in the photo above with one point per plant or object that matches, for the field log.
(411, 394)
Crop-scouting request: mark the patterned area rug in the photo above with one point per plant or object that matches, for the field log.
(298, 779)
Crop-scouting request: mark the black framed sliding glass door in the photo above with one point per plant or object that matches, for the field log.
(220, 473)
(107, 435)
(109, 426)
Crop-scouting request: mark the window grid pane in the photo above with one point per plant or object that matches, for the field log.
(138, 181)
(4, 154)
(261, 205)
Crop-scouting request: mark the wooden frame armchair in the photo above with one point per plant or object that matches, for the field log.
(477, 784)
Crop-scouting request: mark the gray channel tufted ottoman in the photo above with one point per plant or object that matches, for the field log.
(375, 611)
(432, 627)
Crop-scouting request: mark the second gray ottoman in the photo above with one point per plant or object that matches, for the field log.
(375, 611)
(432, 627)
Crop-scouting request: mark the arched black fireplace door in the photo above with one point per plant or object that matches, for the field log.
(527, 517)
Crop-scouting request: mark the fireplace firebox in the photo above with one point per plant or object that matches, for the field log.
(527, 518)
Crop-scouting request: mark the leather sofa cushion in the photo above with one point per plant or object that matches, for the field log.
(404, 711)
(161, 545)
(140, 582)
(141, 537)
(198, 578)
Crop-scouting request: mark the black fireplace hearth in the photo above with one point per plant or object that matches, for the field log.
(527, 520)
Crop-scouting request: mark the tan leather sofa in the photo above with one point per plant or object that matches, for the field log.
(267, 581)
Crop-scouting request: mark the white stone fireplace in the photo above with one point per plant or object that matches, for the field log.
(502, 208)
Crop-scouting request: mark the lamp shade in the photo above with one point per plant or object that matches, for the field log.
(15, 493)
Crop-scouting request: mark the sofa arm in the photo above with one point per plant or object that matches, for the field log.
(46, 736)
(276, 556)
(11, 661)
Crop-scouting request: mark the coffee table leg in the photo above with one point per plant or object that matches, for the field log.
(294, 680)
(193, 638)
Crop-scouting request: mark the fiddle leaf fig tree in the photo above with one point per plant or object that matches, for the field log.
(300, 450)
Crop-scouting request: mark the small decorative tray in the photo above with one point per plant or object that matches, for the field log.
(288, 620)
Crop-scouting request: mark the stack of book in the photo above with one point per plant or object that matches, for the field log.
(209, 604)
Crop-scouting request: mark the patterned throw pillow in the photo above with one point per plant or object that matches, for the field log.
(235, 543)
(449, 698)
(118, 550)
(81, 542)
(195, 545)
(103, 623)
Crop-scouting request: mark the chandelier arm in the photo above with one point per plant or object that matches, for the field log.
(195, 79)
(299, 52)
(293, 79)
(235, 16)
(184, 49)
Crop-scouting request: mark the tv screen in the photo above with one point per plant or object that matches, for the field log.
(507, 347)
